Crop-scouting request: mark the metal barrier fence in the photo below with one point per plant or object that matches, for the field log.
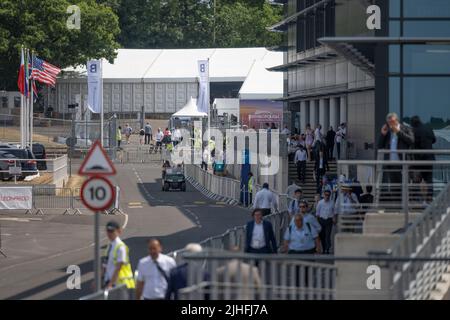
(67, 200)
(428, 236)
(402, 186)
(235, 237)
(141, 154)
(234, 275)
(225, 187)
(257, 277)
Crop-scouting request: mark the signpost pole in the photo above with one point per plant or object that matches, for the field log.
(97, 262)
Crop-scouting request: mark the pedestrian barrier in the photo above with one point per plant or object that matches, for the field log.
(428, 236)
(235, 237)
(141, 154)
(67, 200)
(212, 185)
(397, 186)
(239, 276)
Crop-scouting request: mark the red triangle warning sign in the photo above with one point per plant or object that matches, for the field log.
(97, 162)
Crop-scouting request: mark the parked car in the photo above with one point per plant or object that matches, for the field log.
(27, 163)
(40, 154)
(6, 162)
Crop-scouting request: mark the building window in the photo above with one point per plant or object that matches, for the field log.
(394, 95)
(330, 19)
(394, 8)
(426, 8)
(426, 59)
(4, 102)
(427, 97)
(315, 24)
(16, 102)
(394, 58)
(426, 28)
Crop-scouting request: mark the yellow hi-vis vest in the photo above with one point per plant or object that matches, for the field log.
(125, 272)
(250, 184)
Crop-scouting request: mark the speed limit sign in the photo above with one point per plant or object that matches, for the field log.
(97, 193)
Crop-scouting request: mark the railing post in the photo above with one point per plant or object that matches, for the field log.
(405, 193)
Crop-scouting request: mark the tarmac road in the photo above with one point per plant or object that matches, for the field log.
(40, 248)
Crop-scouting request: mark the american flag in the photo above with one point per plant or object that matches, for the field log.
(44, 72)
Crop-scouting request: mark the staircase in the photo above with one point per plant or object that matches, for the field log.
(309, 187)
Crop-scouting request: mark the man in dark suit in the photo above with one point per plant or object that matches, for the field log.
(424, 139)
(394, 137)
(260, 237)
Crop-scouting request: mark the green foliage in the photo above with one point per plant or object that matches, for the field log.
(41, 26)
(197, 24)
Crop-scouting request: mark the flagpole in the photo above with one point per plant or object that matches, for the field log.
(101, 102)
(22, 103)
(26, 115)
(31, 102)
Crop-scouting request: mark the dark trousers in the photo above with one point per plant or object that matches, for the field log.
(330, 151)
(118, 143)
(325, 234)
(392, 190)
(319, 176)
(158, 145)
(148, 138)
(427, 176)
(204, 165)
(301, 170)
(264, 250)
(338, 148)
(247, 198)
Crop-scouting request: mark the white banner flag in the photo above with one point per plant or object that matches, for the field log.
(95, 86)
(16, 198)
(203, 90)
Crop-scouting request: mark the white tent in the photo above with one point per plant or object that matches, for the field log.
(190, 111)
(262, 84)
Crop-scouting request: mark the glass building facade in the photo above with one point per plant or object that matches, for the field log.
(402, 67)
(419, 74)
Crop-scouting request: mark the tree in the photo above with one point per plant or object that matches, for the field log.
(43, 29)
(244, 24)
(196, 23)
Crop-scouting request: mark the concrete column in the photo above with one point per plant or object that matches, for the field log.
(304, 116)
(324, 115)
(334, 116)
(313, 113)
(343, 111)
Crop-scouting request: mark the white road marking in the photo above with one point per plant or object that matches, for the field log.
(15, 219)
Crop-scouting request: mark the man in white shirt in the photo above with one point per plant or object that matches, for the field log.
(176, 136)
(286, 131)
(153, 273)
(300, 159)
(205, 159)
(290, 191)
(326, 214)
(265, 200)
(159, 138)
(293, 207)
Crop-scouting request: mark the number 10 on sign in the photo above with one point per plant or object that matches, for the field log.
(97, 193)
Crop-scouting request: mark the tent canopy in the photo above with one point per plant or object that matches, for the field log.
(190, 111)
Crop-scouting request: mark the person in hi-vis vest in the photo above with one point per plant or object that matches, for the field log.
(116, 266)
